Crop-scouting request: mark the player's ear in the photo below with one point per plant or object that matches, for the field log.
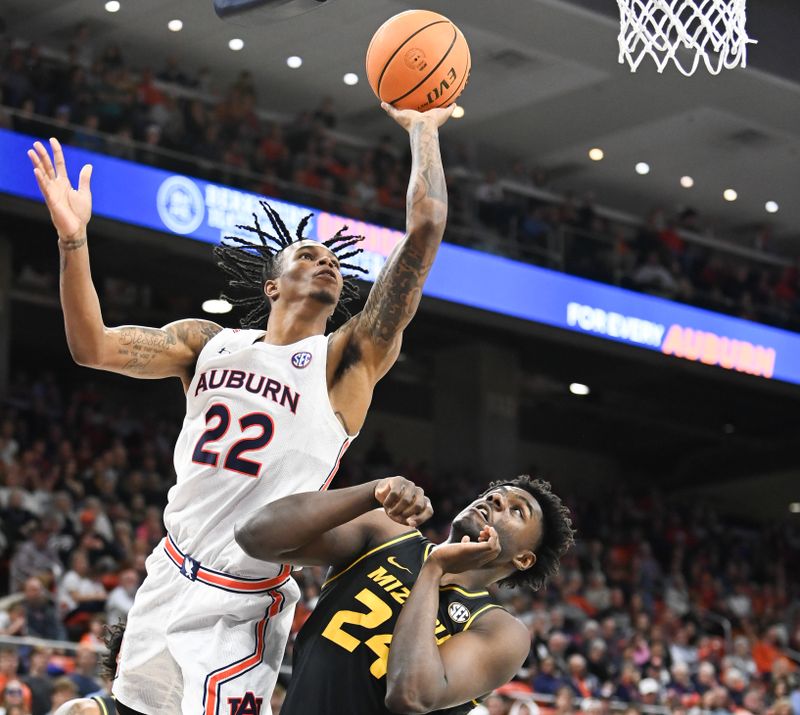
(524, 560)
(271, 290)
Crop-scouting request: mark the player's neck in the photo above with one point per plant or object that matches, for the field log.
(476, 580)
(289, 324)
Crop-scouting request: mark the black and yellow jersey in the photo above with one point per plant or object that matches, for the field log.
(105, 703)
(341, 652)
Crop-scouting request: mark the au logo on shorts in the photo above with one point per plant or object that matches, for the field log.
(301, 360)
(248, 705)
(458, 612)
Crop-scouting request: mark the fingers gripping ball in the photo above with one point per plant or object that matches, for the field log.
(418, 60)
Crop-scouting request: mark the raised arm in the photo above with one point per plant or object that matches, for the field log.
(130, 350)
(395, 297)
(329, 528)
(423, 676)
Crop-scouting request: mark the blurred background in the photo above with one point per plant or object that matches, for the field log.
(615, 310)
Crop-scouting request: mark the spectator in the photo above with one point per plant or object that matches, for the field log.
(64, 690)
(9, 665)
(35, 558)
(40, 614)
(681, 681)
(653, 277)
(649, 692)
(38, 681)
(16, 698)
(546, 680)
(564, 701)
(120, 600)
(16, 515)
(583, 683)
(79, 593)
(85, 673)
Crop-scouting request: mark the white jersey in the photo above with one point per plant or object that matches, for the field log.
(259, 426)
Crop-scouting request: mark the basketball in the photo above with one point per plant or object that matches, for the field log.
(418, 59)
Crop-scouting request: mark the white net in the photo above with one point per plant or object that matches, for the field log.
(684, 32)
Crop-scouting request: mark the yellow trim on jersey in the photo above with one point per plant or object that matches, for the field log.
(101, 705)
(478, 613)
(460, 590)
(391, 542)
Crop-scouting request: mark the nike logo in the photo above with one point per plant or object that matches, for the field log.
(393, 562)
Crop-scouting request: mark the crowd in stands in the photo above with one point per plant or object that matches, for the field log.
(660, 604)
(90, 97)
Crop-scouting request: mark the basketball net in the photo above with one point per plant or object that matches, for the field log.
(714, 30)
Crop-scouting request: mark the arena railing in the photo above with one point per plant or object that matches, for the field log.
(28, 641)
(631, 221)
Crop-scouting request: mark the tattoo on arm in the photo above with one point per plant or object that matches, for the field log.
(396, 294)
(427, 173)
(68, 246)
(142, 345)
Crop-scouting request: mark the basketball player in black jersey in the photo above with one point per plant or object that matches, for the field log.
(404, 625)
(96, 705)
(101, 704)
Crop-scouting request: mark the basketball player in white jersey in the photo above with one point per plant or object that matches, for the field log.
(270, 410)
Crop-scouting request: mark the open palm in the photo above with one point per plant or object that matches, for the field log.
(70, 209)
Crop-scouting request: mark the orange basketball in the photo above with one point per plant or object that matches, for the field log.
(419, 60)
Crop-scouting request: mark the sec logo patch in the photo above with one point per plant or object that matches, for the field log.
(458, 612)
(301, 360)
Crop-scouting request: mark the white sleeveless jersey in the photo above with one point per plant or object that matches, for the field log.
(259, 426)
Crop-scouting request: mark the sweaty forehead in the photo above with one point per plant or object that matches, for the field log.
(511, 491)
(309, 243)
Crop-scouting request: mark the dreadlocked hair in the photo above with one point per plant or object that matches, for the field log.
(557, 532)
(250, 264)
(112, 637)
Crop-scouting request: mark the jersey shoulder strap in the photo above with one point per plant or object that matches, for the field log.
(106, 704)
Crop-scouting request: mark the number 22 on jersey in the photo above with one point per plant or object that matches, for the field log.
(218, 421)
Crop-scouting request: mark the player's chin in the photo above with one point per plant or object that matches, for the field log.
(326, 296)
(466, 524)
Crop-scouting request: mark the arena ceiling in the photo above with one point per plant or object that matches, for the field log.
(545, 86)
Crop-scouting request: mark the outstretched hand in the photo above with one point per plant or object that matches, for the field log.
(70, 209)
(406, 118)
(466, 555)
(403, 501)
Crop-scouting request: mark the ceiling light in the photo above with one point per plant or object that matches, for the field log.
(596, 154)
(236, 44)
(175, 25)
(687, 182)
(216, 305)
(350, 78)
(730, 195)
(112, 6)
(771, 207)
(642, 168)
(577, 388)
(794, 507)
(294, 61)
(458, 112)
